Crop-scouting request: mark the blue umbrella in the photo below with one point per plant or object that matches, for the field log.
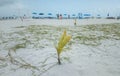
(49, 13)
(98, 15)
(34, 13)
(73, 15)
(65, 14)
(41, 13)
(87, 14)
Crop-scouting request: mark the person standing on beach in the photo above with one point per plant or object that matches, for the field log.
(57, 16)
(60, 16)
(75, 22)
(68, 16)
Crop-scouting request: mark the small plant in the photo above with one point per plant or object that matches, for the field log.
(63, 41)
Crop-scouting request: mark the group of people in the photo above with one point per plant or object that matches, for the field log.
(59, 16)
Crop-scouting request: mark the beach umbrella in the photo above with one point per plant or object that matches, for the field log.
(87, 14)
(98, 15)
(49, 13)
(65, 14)
(41, 13)
(73, 14)
(34, 13)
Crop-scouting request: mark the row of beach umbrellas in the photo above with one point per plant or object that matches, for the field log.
(34, 13)
(40, 13)
(79, 14)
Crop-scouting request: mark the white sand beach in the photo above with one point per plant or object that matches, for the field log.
(4, 24)
(54, 22)
(27, 48)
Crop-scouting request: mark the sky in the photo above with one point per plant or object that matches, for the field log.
(94, 7)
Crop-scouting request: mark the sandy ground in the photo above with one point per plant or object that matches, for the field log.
(65, 22)
(53, 22)
(27, 48)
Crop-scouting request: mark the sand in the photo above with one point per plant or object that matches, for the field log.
(27, 48)
(55, 22)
